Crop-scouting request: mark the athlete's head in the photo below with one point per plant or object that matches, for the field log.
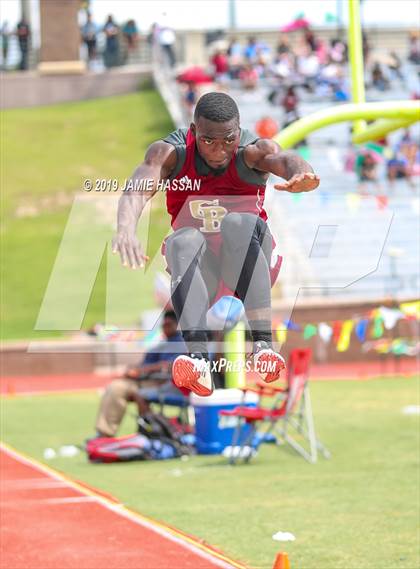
(216, 128)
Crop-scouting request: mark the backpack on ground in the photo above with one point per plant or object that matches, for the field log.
(157, 439)
(118, 449)
(157, 427)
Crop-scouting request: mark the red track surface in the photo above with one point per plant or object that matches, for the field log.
(65, 382)
(48, 522)
(71, 382)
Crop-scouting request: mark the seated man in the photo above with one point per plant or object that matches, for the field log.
(152, 378)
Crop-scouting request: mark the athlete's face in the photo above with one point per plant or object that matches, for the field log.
(216, 141)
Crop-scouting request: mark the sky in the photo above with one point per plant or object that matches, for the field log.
(199, 14)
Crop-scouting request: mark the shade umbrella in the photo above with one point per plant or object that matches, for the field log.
(298, 24)
(194, 75)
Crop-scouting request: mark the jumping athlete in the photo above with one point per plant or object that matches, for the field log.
(221, 242)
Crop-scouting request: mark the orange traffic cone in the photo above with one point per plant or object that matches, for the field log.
(282, 561)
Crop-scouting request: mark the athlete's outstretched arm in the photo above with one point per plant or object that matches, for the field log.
(159, 161)
(267, 156)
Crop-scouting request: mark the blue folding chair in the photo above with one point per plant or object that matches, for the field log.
(182, 402)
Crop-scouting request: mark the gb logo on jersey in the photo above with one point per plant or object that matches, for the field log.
(210, 212)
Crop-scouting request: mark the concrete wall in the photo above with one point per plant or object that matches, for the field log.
(32, 89)
(84, 357)
(15, 360)
(61, 357)
(329, 311)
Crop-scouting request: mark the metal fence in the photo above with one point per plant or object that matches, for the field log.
(141, 54)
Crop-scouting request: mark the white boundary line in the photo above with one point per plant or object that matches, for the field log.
(120, 509)
(75, 391)
(49, 501)
(30, 484)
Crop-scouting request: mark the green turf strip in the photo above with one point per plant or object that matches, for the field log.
(356, 511)
(46, 153)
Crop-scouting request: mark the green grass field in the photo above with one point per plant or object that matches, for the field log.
(357, 511)
(46, 154)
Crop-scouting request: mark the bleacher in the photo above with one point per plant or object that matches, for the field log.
(335, 243)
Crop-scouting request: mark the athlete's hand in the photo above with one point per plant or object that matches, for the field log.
(305, 182)
(130, 250)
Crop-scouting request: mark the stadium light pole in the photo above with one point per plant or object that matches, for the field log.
(356, 60)
(25, 9)
(232, 14)
(339, 16)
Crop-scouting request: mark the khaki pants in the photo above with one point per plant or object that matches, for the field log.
(114, 405)
(117, 395)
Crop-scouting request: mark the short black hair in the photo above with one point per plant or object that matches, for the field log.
(170, 314)
(216, 107)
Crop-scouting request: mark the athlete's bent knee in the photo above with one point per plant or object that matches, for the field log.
(238, 228)
(235, 221)
(185, 240)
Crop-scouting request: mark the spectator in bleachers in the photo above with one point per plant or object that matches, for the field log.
(413, 85)
(111, 53)
(283, 66)
(250, 51)
(149, 379)
(5, 35)
(283, 45)
(367, 171)
(310, 39)
(221, 66)
(290, 105)
(379, 81)
(23, 32)
(130, 34)
(404, 160)
(153, 35)
(338, 51)
(308, 67)
(89, 31)
(395, 65)
(166, 39)
(332, 80)
(235, 58)
(190, 99)
(263, 53)
(322, 52)
(414, 47)
(248, 76)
